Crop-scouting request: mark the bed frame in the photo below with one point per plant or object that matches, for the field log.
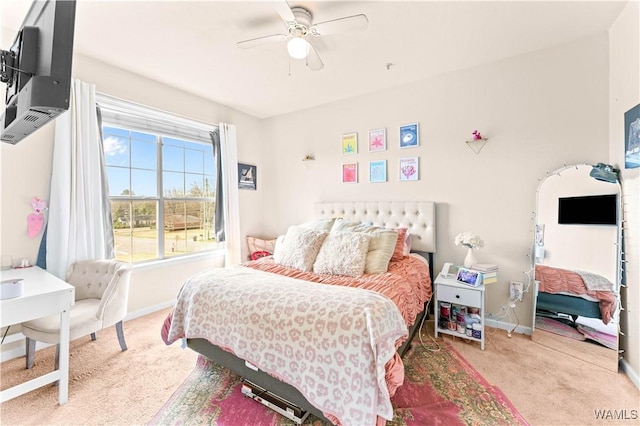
(419, 217)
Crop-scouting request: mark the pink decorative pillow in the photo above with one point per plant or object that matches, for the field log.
(398, 251)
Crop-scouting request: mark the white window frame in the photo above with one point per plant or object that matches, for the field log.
(129, 116)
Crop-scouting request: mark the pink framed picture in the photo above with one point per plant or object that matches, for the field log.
(350, 173)
(377, 140)
(409, 168)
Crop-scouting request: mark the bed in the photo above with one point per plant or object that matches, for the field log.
(578, 299)
(271, 323)
(578, 293)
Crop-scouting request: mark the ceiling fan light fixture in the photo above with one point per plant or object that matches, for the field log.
(298, 48)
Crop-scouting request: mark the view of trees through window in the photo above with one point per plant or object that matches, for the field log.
(162, 192)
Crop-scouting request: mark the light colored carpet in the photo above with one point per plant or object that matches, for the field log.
(106, 386)
(110, 387)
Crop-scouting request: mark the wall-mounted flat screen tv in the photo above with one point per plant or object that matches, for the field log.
(588, 210)
(37, 69)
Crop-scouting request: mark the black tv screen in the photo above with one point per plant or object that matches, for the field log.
(589, 210)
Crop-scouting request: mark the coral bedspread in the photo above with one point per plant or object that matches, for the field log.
(557, 280)
(329, 341)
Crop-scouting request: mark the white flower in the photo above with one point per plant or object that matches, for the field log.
(469, 240)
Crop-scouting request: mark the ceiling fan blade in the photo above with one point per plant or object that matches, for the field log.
(340, 25)
(313, 59)
(247, 44)
(283, 9)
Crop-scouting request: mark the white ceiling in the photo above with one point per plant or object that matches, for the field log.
(192, 45)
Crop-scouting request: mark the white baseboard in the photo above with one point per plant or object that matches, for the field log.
(19, 337)
(630, 372)
(149, 310)
(514, 328)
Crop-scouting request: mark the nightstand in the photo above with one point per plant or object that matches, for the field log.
(453, 297)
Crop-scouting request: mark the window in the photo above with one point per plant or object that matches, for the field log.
(161, 178)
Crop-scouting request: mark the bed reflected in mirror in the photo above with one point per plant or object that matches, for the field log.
(577, 263)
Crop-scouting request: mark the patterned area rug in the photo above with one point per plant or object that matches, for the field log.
(558, 327)
(440, 388)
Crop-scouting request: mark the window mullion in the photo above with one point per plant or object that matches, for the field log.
(160, 209)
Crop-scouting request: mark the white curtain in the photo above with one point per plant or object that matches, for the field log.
(80, 226)
(229, 153)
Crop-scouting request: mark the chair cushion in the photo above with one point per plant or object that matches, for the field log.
(82, 321)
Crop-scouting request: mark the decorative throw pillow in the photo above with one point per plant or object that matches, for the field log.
(381, 246)
(407, 244)
(319, 224)
(343, 253)
(299, 248)
(398, 251)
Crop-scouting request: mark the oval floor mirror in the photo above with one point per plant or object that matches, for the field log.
(577, 263)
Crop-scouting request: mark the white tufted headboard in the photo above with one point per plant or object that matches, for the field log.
(417, 216)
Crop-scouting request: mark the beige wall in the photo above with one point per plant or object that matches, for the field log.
(624, 94)
(539, 111)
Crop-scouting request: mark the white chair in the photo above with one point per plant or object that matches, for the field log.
(101, 295)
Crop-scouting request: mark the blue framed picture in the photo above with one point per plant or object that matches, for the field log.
(409, 136)
(632, 138)
(378, 171)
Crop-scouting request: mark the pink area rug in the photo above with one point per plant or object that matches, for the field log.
(440, 388)
(558, 327)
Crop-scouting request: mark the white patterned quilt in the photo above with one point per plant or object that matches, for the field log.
(330, 342)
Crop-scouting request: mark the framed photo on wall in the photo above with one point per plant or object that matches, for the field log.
(350, 173)
(349, 143)
(378, 171)
(247, 176)
(409, 168)
(632, 138)
(409, 136)
(377, 140)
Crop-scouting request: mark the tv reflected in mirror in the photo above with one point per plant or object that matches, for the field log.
(588, 210)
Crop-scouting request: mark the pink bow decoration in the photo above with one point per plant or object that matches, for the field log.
(38, 204)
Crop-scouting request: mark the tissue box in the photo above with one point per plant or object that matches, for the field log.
(10, 289)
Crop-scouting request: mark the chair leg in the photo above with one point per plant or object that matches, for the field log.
(120, 334)
(30, 350)
(93, 336)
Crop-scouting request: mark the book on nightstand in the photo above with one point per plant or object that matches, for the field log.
(489, 272)
(489, 278)
(485, 267)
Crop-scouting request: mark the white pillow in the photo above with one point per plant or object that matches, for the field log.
(343, 253)
(381, 247)
(299, 248)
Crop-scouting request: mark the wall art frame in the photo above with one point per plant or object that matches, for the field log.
(409, 169)
(349, 143)
(378, 171)
(632, 138)
(247, 176)
(377, 140)
(409, 135)
(350, 173)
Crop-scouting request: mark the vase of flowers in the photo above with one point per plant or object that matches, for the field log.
(471, 242)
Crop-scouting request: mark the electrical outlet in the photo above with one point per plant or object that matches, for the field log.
(515, 291)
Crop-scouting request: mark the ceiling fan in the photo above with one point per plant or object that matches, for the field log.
(300, 31)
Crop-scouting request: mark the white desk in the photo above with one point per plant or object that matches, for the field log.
(44, 294)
